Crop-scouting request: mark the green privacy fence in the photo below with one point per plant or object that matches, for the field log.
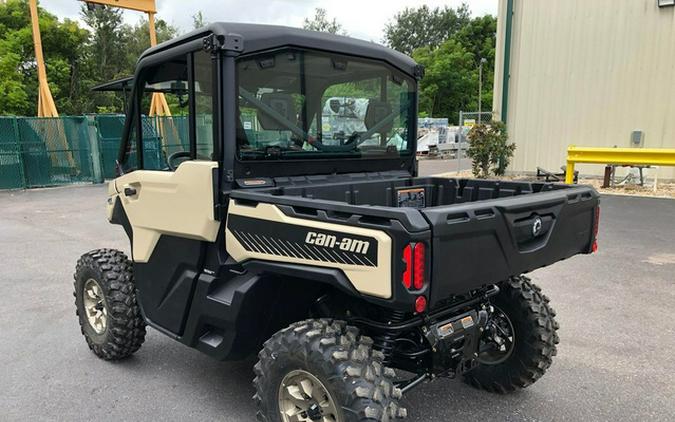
(40, 152)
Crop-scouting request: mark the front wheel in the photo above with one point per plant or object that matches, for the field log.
(105, 302)
(323, 370)
(519, 342)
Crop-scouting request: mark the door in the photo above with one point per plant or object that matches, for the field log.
(169, 198)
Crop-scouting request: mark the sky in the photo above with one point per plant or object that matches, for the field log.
(363, 19)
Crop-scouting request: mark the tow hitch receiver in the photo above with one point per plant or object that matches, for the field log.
(454, 342)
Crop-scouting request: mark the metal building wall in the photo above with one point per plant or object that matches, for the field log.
(586, 72)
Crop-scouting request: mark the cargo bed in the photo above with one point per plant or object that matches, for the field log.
(480, 231)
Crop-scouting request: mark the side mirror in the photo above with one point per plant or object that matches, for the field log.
(180, 90)
(283, 105)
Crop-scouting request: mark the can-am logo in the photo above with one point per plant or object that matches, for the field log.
(344, 244)
(537, 226)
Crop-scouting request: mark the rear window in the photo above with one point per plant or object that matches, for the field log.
(295, 104)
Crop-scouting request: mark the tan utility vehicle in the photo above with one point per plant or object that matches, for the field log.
(291, 222)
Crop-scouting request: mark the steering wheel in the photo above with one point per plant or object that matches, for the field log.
(181, 154)
(175, 156)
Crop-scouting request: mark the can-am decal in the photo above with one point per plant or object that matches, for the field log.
(294, 241)
(332, 241)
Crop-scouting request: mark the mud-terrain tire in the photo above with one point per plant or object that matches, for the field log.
(104, 277)
(342, 360)
(535, 339)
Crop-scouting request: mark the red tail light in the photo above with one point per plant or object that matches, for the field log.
(596, 226)
(420, 304)
(408, 273)
(420, 265)
(414, 275)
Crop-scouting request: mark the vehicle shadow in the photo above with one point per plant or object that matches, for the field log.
(223, 390)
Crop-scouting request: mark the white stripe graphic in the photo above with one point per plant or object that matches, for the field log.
(267, 241)
(253, 243)
(300, 253)
(263, 245)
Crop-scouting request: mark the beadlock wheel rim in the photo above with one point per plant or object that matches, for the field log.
(95, 306)
(302, 397)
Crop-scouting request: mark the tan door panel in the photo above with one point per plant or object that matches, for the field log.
(176, 203)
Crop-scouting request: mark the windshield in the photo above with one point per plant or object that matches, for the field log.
(295, 104)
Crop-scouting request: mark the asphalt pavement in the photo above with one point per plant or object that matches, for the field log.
(615, 361)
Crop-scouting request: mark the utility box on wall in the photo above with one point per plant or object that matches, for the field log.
(637, 138)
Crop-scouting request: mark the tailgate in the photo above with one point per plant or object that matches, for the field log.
(485, 242)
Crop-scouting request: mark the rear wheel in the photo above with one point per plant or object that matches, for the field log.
(323, 370)
(519, 342)
(105, 302)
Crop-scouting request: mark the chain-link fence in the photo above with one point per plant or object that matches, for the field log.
(11, 164)
(55, 151)
(41, 152)
(37, 152)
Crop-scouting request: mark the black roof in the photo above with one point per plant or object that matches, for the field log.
(266, 37)
(123, 84)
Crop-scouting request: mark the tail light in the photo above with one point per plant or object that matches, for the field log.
(408, 273)
(414, 256)
(596, 226)
(420, 304)
(419, 265)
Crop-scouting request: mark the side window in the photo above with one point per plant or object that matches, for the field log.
(170, 90)
(131, 158)
(164, 114)
(203, 79)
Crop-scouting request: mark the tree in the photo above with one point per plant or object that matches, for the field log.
(61, 43)
(108, 36)
(479, 37)
(424, 27)
(113, 51)
(449, 80)
(137, 39)
(489, 149)
(450, 45)
(106, 59)
(320, 22)
(198, 20)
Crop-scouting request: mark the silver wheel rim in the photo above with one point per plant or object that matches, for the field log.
(302, 397)
(95, 306)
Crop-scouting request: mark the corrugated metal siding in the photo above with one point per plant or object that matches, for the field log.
(587, 73)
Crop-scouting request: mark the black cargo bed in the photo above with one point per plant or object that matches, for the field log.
(480, 231)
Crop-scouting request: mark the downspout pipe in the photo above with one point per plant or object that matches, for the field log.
(506, 75)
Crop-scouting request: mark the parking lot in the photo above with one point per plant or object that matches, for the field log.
(615, 361)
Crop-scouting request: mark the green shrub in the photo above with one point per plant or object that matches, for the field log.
(489, 149)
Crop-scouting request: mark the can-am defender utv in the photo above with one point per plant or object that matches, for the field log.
(282, 214)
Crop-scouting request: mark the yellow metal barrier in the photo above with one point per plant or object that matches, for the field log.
(617, 157)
